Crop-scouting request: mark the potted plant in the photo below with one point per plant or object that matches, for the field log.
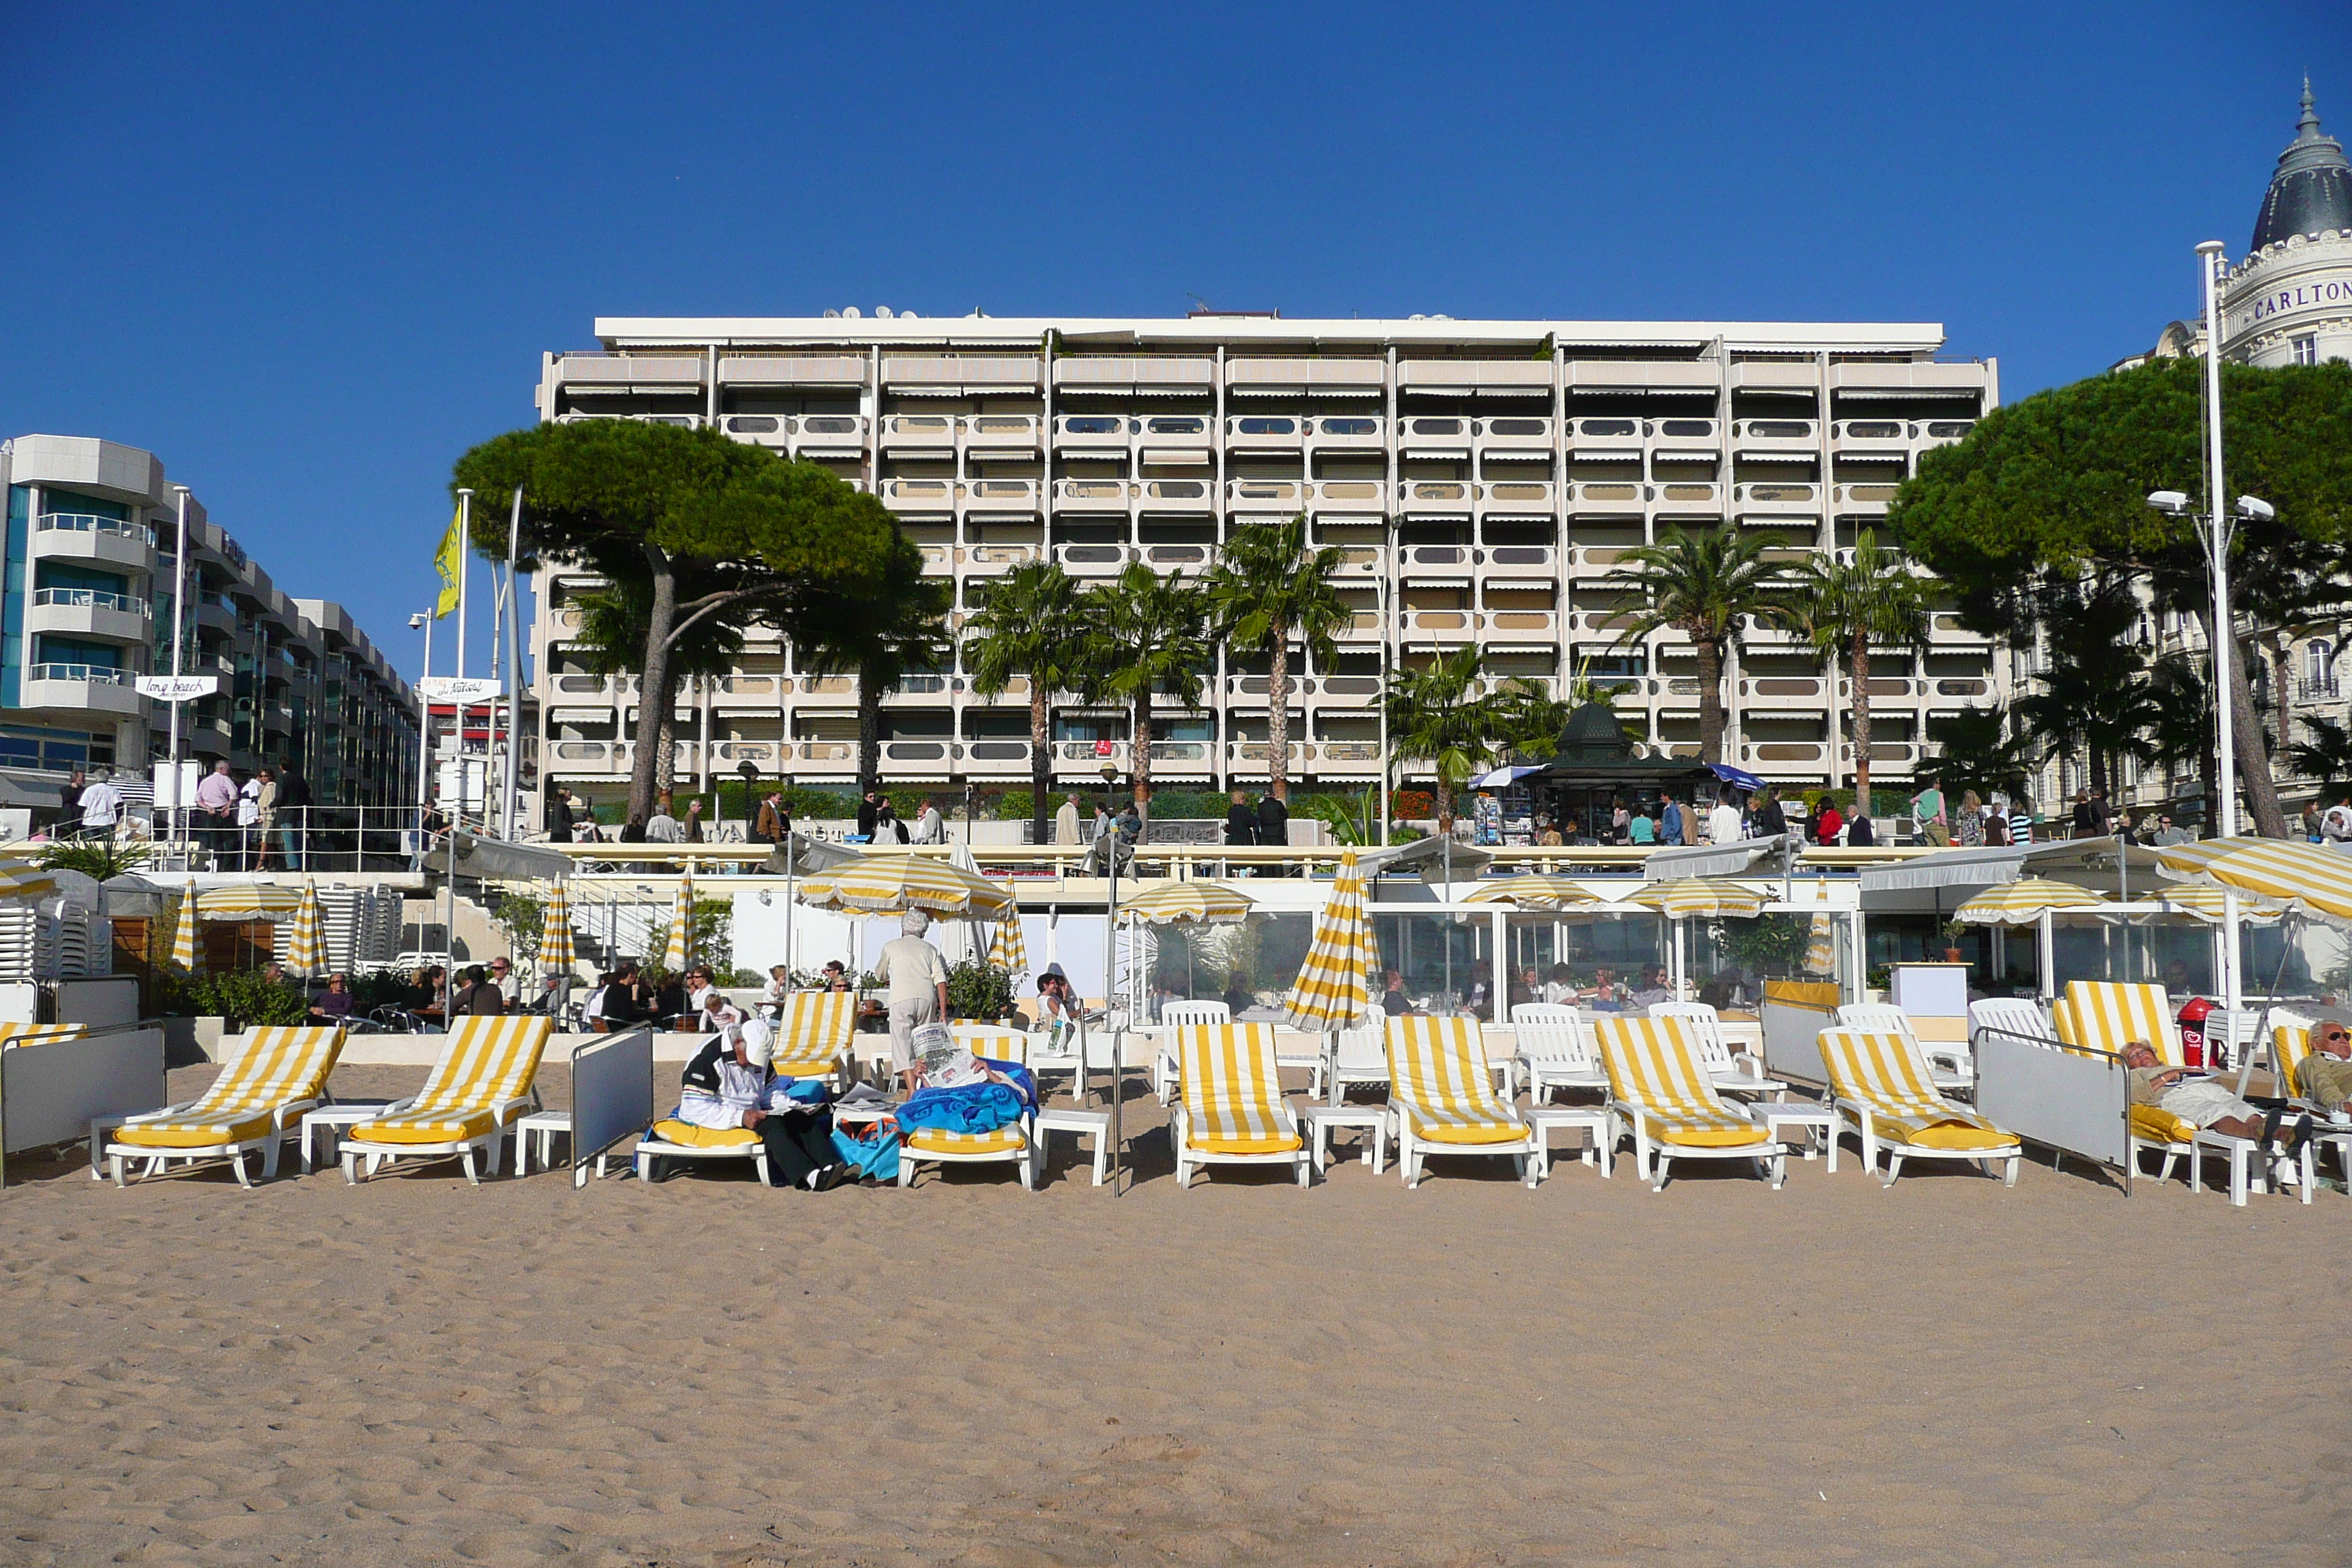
(1953, 931)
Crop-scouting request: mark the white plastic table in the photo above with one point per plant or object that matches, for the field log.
(328, 1120)
(1598, 1122)
(1085, 1123)
(544, 1125)
(1817, 1115)
(1322, 1119)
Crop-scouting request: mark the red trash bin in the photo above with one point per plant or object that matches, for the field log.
(2192, 1031)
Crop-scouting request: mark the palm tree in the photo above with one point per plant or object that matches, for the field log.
(1147, 635)
(900, 632)
(2182, 686)
(1702, 584)
(1028, 624)
(1435, 714)
(2095, 699)
(1269, 585)
(1844, 607)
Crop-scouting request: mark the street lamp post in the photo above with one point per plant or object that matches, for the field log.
(424, 730)
(179, 819)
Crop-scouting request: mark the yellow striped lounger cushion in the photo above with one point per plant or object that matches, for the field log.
(994, 1045)
(488, 1062)
(2289, 1048)
(816, 1029)
(1232, 1089)
(279, 1065)
(1886, 1073)
(1653, 1063)
(2109, 1015)
(686, 1135)
(39, 1034)
(1438, 1078)
(1005, 1140)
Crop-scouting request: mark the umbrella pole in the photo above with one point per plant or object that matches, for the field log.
(2261, 1020)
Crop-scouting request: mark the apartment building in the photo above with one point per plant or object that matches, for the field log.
(1484, 478)
(87, 607)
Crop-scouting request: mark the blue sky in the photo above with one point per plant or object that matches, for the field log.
(309, 254)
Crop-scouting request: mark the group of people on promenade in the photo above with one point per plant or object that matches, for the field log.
(251, 823)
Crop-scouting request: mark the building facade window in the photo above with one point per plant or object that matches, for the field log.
(2305, 349)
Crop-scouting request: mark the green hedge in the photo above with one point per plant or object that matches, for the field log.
(240, 993)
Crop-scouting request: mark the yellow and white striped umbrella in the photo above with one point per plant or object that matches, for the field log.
(1187, 903)
(183, 934)
(252, 901)
(23, 879)
(2291, 872)
(2204, 902)
(892, 884)
(1334, 987)
(555, 933)
(2024, 902)
(306, 953)
(678, 949)
(1702, 898)
(1820, 946)
(1010, 951)
(1538, 892)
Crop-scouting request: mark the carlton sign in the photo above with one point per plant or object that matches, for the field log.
(2333, 287)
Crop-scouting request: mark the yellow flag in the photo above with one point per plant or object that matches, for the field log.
(449, 561)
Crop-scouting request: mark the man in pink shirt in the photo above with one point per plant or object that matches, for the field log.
(216, 806)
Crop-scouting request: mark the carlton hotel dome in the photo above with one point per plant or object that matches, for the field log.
(2289, 300)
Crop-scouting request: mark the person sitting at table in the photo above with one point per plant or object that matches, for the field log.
(628, 1000)
(670, 1002)
(772, 995)
(723, 1088)
(836, 978)
(333, 1006)
(1560, 990)
(1603, 995)
(1652, 988)
(1057, 1008)
(717, 1015)
(477, 998)
(2202, 1103)
(1525, 987)
(697, 981)
(1393, 1000)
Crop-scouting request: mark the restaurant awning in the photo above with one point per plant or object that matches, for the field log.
(2105, 865)
(1714, 859)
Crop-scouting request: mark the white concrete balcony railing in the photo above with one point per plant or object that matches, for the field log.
(1610, 497)
(1884, 751)
(1777, 501)
(1944, 431)
(1588, 437)
(1521, 626)
(726, 756)
(817, 433)
(758, 430)
(1253, 758)
(938, 560)
(1002, 432)
(1093, 495)
(1000, 495)
(1269, 432)
(1867, 500)
(1518, 498)
(1442, 498)
(833, 759)
(997, 557)
(1424, 561)
(1348, 691)
(1533, 563)
(1181, 433)
(1775, 434)
(1591, 561)
(1783, 692)
(1965, 687)
(1176, 495)
(83, 674)
(1270, 497)
(1366, 627)
(1355, 431)
(1092, 560)
(1347, 758)
(1887, 438)
(748, 690)
(930, 496)
(1785, 753)
(1679, 500)
(1085, 757)
(585, 756)
(1362, 560)
(1608, 624)
(1687, 435)
(1364, 498)
(1947, 628)
(1514, 433)
(1193, 559)
(919, 756)
(1092, 432)
(1423, 436)
(1182, 759)
(996, 758)
(601, 688)
(1445, 626)
(920, 432)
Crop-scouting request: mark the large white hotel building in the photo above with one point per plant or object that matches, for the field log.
(1485, 478)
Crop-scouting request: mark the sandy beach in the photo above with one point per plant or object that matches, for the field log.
(704, 1372)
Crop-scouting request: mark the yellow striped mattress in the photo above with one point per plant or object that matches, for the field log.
(487, 1062)
(1887, 1073)
(1653, 1063)
(278, 1067)
(1233, 1089)
(1440, 1083)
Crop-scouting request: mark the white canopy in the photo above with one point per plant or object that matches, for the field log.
(1714, 859)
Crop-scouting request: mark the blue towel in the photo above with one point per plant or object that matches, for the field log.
(980, 1107)
(1024, 1082)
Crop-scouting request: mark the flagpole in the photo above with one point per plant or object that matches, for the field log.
(465, 531)
(514, 665)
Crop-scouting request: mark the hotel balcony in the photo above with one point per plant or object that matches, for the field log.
(1001, 557)
(90, 611)
(1776, 436)
(1001, 435)
(1766, 502)
(1936, 433)
(81, 536)
(1435, 562)
(1264, 499)
(995, 759)
(1685, 438)
(919, 498)
(1079, 434)
(1261, 432)
(1366, 628)
(1593, 562)
(1191, 559)
(1434, 498)
(1333, 499)
(1092, 560)
(1525, 563)
(1017, 497)
(1520, 625)
(1433, 436)
(1439, 625)
(1605, 438)
(1348, 691)
(1093, 495)
(761, 692)
(828, 435)
(1781, 692)
(1876, 437)
(1516, 498)
(1177, 438)
(1685, 501)
(1613, 498)
(1514, 433)
(1176, 496)
(915, 436)
(1951, 631)
(1863, 500)
(93, 688)
(1357, 432)
(1804, 757)
(758, 430)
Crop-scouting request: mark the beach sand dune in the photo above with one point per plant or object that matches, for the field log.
(704, 1372)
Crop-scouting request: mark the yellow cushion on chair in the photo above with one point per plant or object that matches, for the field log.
(435, 1127)
(1706, 1137)
(686, 1135)
(2159, 1125)
(1004, 1140)
(1957, 1136)
(182, 1134)
(1430, 1132)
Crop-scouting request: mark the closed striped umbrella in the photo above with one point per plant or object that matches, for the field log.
(2297, 874)
(1820, 946)
(305, 953)
(679, 948)
(1010, 951)
(2024, 902)
(1542, 892)
(22, 879)
(555, 933)
(184, 935)
(1334, 987)
(1188, 903)
(2206, 902)
(1700, 898)
(892, 884)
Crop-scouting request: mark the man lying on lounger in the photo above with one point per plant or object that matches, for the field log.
(2327, 1073)
(2202, 1103)
(726, 1084)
